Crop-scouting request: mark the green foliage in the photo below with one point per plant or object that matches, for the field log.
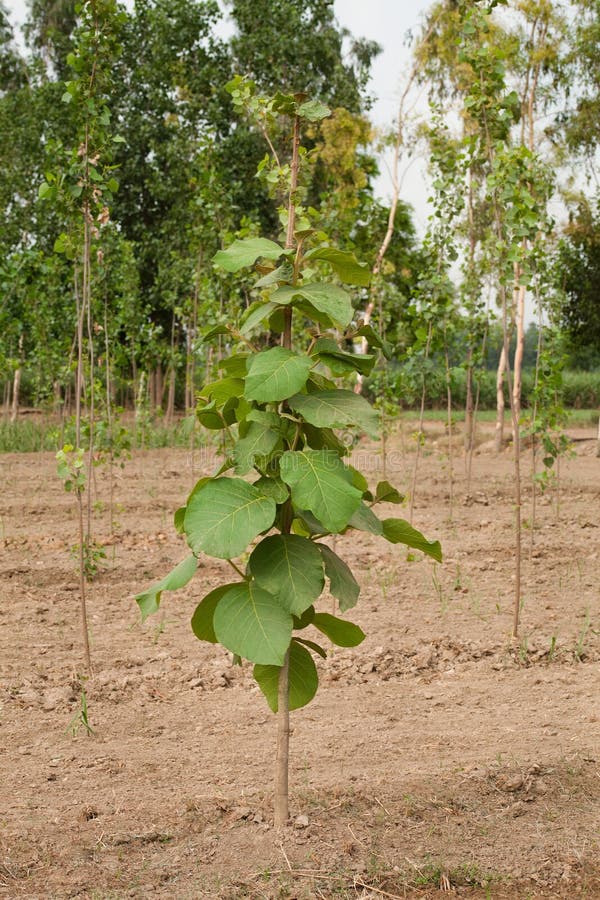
(71, 468)
(278, 410)
(81, 719)
(579, 262)
(149, 601)
(303, 678)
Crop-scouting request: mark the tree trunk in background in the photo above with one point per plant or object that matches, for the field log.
(6, 400)
(189, 387)
(469, 406)
(159, 386)
(15, 396)
(519, 304)
(57, 392)
(152, 389)
(170, 411)
(598, 444)
(499, 433)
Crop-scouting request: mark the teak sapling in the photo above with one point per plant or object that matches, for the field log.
(285, 483)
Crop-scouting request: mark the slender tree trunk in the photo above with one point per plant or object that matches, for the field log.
(499, 432)
(16, 392)
(468, 439)
(109, 420)
(413, 488)
(170, 411)
(6, 400)
(90, 334)
(80, 305)
(172, 378)
(474, 419)
(519, 303)
(534, 413)
(282, 812)
(598, 440)
(282, 758)
(194, 333)
(82, 593)
(140, 407)
(14, 412)
(159, 386)
(517, 472)
(57, 397)
(449, 427)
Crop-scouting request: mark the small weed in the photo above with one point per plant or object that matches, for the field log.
(386, 580)
(439, 590)
(552, 650)
(586, 628)
(524, 650)
(160, 628)
(93, 555)
(446, 878)
(81, 718)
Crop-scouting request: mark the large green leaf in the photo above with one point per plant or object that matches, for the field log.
(282, 274)
(149, 600)
(321, 483)
(235, 365)
(342, 583)
(339, 361)
(290, 567)
(275, 375)
(313, 110)
(368, 332)
(272, 487)
(364, 519)
(336, 409)
(216, 415)
(339, 632)
(251, 622)
(345, 265)
(399, 531)
(303, 679)
(202, 620)
(256, 314)
(329, 299)
(387, 493)
(222, 390)
(324, 439)
(245, 253)
(258, 442)
(225, 515)
(215, 331)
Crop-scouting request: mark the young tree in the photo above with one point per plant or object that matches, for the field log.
(279, 410)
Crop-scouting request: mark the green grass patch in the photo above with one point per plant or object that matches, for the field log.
(33, 435)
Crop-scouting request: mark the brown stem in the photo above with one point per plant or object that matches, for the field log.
(533, 426)
(87, 300)
(420, 431)
(281, 810)
(513, 410)
(82, 599)
(111, 477)
(449, 420)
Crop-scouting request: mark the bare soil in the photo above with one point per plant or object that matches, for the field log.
(441, 757)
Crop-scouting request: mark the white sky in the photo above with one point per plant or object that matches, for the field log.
(387, 22)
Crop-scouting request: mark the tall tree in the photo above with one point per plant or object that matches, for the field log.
(297, 45)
